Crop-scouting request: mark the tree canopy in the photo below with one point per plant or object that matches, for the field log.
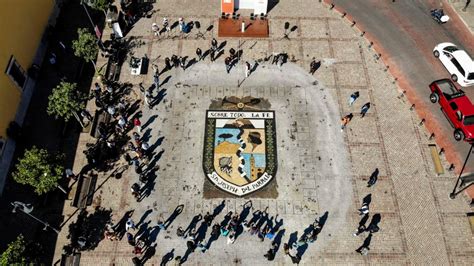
(85, 46)
(65, 100)
(39, 169)
(99, 4)
(15, 253)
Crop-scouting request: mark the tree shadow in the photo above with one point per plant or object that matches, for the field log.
(89, 226)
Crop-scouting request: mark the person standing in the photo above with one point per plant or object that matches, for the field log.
(138, 124)
(353, 97)
(364, 209)
(312, 66)
(214, 44)
(183, 63)
(275, 59)
(175, 60)
(364, 109)
(166, 25)
(156, 76)
(345, 120)
(467, 4)
(281, 60)
(155, 29)
(228, 66)
(373, 178)
(361, 227)
(129, 224)
(247, 69)
(181, 24)
(168, 63)
(199, 53)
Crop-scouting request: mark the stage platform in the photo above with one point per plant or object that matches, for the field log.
(254, 28)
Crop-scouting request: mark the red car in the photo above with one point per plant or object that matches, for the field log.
(456, 106)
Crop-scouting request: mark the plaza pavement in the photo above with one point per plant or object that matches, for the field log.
(320, 168)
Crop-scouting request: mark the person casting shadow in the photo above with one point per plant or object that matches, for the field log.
(373, 178)
(167, 258)
(365, 247)
(177, 211)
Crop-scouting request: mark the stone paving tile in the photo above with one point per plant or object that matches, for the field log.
(350, 74)
(318, 49)
(365, 158)
(419, 225)
(314, 28)
(347, 51)
(457, 241)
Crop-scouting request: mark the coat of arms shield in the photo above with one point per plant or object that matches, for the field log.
(240, 150)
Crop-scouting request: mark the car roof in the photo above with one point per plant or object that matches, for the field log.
(464, 105)
(464, 59)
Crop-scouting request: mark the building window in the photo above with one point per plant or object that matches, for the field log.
(16, 72)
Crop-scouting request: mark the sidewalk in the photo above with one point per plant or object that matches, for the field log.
(466, 16)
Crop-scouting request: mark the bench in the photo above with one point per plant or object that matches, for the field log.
(100, 116)
(436, 160)
(85, 191)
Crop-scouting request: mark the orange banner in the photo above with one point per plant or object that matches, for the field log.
(227, 6)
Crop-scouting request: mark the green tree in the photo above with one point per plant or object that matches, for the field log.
(99, 4)
(15, 253)
(39, 169)
(66, 101)
(85, 46)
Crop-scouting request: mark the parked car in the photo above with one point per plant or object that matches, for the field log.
(456, 106)
(458, 63)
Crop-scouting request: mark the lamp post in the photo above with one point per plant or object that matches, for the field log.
(453, 194)
(27, 209)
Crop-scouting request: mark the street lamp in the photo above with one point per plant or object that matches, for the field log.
(454, 193)
(27, 209)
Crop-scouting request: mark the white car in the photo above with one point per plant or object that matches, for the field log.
(458, 63)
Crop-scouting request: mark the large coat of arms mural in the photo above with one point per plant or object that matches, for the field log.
(240, 146)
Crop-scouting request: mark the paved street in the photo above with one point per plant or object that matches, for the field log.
(395, 26)
(320, 169)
